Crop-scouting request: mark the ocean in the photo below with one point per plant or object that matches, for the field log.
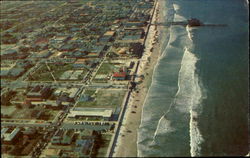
(197, 104)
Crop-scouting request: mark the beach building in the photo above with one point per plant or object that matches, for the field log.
(121, 75)
(91, 112)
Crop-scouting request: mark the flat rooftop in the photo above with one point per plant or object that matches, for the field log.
(90, 112)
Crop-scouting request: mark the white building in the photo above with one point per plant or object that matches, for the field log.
(91, 112)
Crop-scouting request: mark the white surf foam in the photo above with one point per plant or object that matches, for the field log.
(176, 7)
(163, 116)
(190, 35)
(187, 81)
(186, 100)
(195, 98)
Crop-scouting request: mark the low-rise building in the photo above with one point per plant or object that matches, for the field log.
(91, 112)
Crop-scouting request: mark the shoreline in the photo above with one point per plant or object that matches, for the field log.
(127, 139)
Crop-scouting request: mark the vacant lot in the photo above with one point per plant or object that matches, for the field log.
(104, 99)
(43, 73)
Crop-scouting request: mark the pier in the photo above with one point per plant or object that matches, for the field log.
(185, 23)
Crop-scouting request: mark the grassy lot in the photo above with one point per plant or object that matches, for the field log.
(90, 92)
(105, 99)
(8, 110)
(25, 113)
(106, 68)
(19, 97)
(43, 74)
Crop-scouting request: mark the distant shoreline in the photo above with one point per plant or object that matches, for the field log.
(127, 139)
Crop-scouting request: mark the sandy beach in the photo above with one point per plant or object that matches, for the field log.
(127, 139)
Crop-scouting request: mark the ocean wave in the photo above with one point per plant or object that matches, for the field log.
(195, 98)
(187, 97)
(176, 7)
(187, 100)
(190, 35)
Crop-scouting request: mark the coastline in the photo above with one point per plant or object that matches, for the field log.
(127, 139)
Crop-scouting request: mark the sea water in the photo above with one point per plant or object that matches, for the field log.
(197, 104)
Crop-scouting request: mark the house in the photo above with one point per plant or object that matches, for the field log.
(119, 75)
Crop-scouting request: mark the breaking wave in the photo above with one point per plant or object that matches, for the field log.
(186, 101)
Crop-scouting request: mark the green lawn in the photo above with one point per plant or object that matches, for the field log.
(43, 74)
(105, 99)
(89, 92)
(106, 68)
